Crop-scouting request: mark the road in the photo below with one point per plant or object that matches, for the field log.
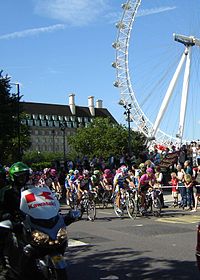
(148, 248)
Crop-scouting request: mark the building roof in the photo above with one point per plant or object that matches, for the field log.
(63, 110)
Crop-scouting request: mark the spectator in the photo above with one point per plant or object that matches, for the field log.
(189, 190)
(174, 184)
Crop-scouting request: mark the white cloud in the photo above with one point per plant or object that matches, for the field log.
(32, 32)
(73, 12)
(147, 12)
(116, 16)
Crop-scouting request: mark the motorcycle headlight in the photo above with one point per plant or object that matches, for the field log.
(39, 237)
(62, 234)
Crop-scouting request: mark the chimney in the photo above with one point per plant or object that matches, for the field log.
(72, 104)
(99, 104)
(91, 105)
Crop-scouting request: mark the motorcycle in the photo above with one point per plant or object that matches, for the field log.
(36, 244)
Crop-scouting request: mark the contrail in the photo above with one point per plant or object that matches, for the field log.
(32, 32)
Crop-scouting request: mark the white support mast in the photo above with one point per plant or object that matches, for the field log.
(168, 95)
(188, 42)
(185, 89)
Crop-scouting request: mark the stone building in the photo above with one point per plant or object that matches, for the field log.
(51, 124)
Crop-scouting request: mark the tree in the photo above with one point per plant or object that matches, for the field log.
(9, 109)
(104, 138)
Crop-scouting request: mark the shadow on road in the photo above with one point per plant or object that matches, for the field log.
(126, 264)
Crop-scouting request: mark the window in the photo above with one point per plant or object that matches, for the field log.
(50, 123)
(36, 122)
(66, 118)
(41, 117)
(35, 116)
(47, 117)
(69, 124)
(54, 117)
(60, 118)
(86, 119)
(23, 121)
(43, 123)
(74, 124)
(30, 122)
(56, 123)
(72, 118)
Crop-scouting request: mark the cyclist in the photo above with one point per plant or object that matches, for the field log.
(84, 184)
(56, 187)
(67, 185)
(96, 183)
(146, 181)
(107, 179)
(121, 182)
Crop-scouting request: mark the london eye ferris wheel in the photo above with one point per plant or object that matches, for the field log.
(157, 55)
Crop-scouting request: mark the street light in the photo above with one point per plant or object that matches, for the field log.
(53, 133)
(63, 127)
(18, 120)
(127, 113)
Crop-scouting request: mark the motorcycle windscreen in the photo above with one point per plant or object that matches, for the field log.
(39, 203)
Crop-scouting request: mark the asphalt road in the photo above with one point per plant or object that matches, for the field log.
(147, 248)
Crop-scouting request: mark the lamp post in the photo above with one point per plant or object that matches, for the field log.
(127, 113)
(63, 127)
(18, 120)
(53, 133)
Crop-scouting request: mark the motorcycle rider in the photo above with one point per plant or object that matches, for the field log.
(10, 206)
(3, 187)
(10, 197)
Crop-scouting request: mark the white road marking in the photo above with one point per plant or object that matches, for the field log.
(107, 213)
(110, 277)
(76, 243)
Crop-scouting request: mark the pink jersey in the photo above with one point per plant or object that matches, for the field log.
(145, 179)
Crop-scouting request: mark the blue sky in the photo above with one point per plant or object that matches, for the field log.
(56, 47)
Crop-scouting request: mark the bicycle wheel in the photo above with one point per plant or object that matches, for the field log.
(119, 211)
(156, 207)
(131, 208)
(106, 198)
(73, 201)
(91, 210)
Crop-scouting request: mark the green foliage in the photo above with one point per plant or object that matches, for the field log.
(41, 165)
(9, 109)
(104, 138)
(37, 159)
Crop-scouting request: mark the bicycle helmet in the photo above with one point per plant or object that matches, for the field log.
(107, 171)
(71, 171)
(149, 170)
(76, 172)
(96, 172)
(19, 173)
(85, 172)
(124, 169)
(142, 166)
(80, 177)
